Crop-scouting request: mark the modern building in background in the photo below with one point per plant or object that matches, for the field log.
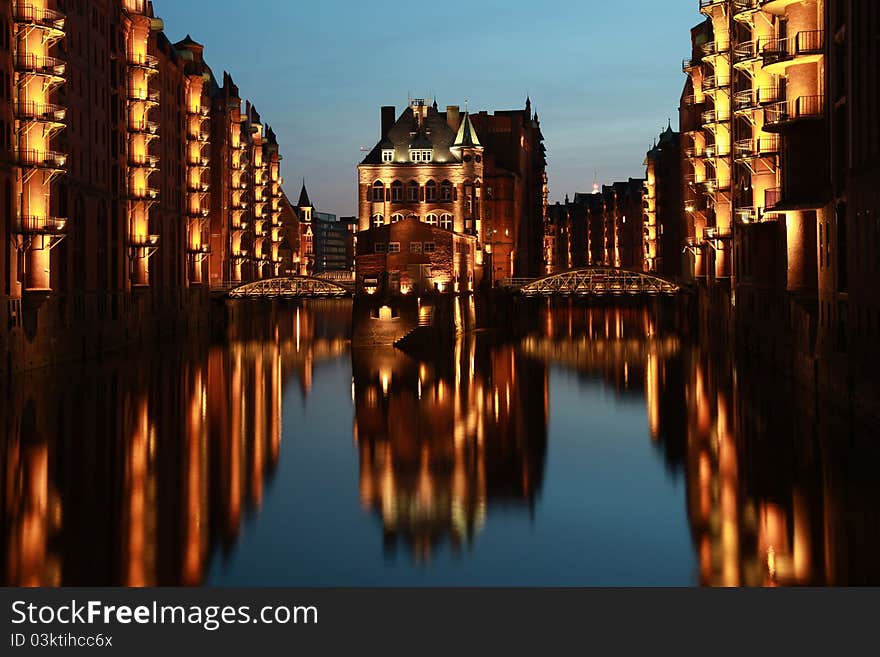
(130, 181)
(482, 204)
(328, 242)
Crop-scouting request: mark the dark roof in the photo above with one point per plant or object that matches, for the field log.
(304, 201)
(405, 133)
(188, 41)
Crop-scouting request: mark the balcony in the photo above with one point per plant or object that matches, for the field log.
(29, 225)
(715, 82)
(201, 137)
(748, 52)
(143, 61)
(50, 160)
(203, 161)
(743, 9)
(714, 150)
(805, 108)
(149, 162)
(714, 48)
(52, 115)
(202, 111)
(46, 19)
(48, 67)
(200, 188)
(143, 241)
(746, 215)
(752, 99)
(712, 185)
(711, 117)
(148, 96)
(144, 194)
(200, 214)
(801, 48)
(136, 7)
(144, 128)
(746, 149)
(772, 197)
(706, 6)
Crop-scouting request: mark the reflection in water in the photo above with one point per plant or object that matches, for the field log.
(143, 470)
(440, 441)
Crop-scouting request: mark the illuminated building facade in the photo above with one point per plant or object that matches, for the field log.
(602, 228)
(664, 211)
(780, 174)
(120, 181)
(433, 168)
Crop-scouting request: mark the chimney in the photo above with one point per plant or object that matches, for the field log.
(389, 115)
(453, 117)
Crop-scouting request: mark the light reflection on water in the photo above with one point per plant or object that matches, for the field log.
(596, 447)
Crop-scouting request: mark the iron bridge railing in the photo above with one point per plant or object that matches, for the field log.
(595, 281)
(289, 288)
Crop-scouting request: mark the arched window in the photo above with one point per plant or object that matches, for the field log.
(446, 191)
(378, 192)
(413, 216)
(396, 191)
(412, 192)
(378, 220)
(431, 219)
(446, 221)
(431, 191)
(396, 217)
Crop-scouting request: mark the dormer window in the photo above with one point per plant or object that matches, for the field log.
(421, 155)
(388, 155)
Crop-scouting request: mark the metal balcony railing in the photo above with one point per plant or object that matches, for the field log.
(27, 13)
(772, 197)
(40, 159)
(144, 127)
(714, 150)
(148, 162)
(758, 147)
(143, 241)
(137, 7)
(705, 4)
(712, 82)
(744, 6)
(754, 98)
(789, 111)
(141, 60)
(31, 225)
(42, 112)
(140, 95)
(810, 42)
(30, 64)
(144, 194)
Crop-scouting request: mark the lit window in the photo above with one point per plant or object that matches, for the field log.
(412, 192)
(378, 220)
(421, 155)
(431, 219)
(393, 247)
(396, 191)
(381, 247)
(378, 192)
(446, 221)
(388, 155)
(429, 247)
(431, 191)
(396, 217)
(415, 247)
(446, 191)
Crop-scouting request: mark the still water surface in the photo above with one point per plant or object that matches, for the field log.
(597, 447)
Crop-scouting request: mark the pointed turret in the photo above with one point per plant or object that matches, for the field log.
(304, 201)
(467, 136)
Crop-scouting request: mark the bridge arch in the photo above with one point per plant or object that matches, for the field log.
(599, 281)
(289, 287)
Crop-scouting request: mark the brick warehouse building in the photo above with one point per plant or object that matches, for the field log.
(129, 179)
(434, 168)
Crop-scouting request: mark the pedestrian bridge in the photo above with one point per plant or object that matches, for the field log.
(594, 281)
(289, 287)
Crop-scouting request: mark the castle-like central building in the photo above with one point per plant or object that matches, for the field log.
(442, 209)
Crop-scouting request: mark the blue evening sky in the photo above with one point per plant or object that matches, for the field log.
(603, 76)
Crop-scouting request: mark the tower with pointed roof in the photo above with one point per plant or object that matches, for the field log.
(306, 212)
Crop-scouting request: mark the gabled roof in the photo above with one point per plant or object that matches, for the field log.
(405, 131)
(467, 136)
